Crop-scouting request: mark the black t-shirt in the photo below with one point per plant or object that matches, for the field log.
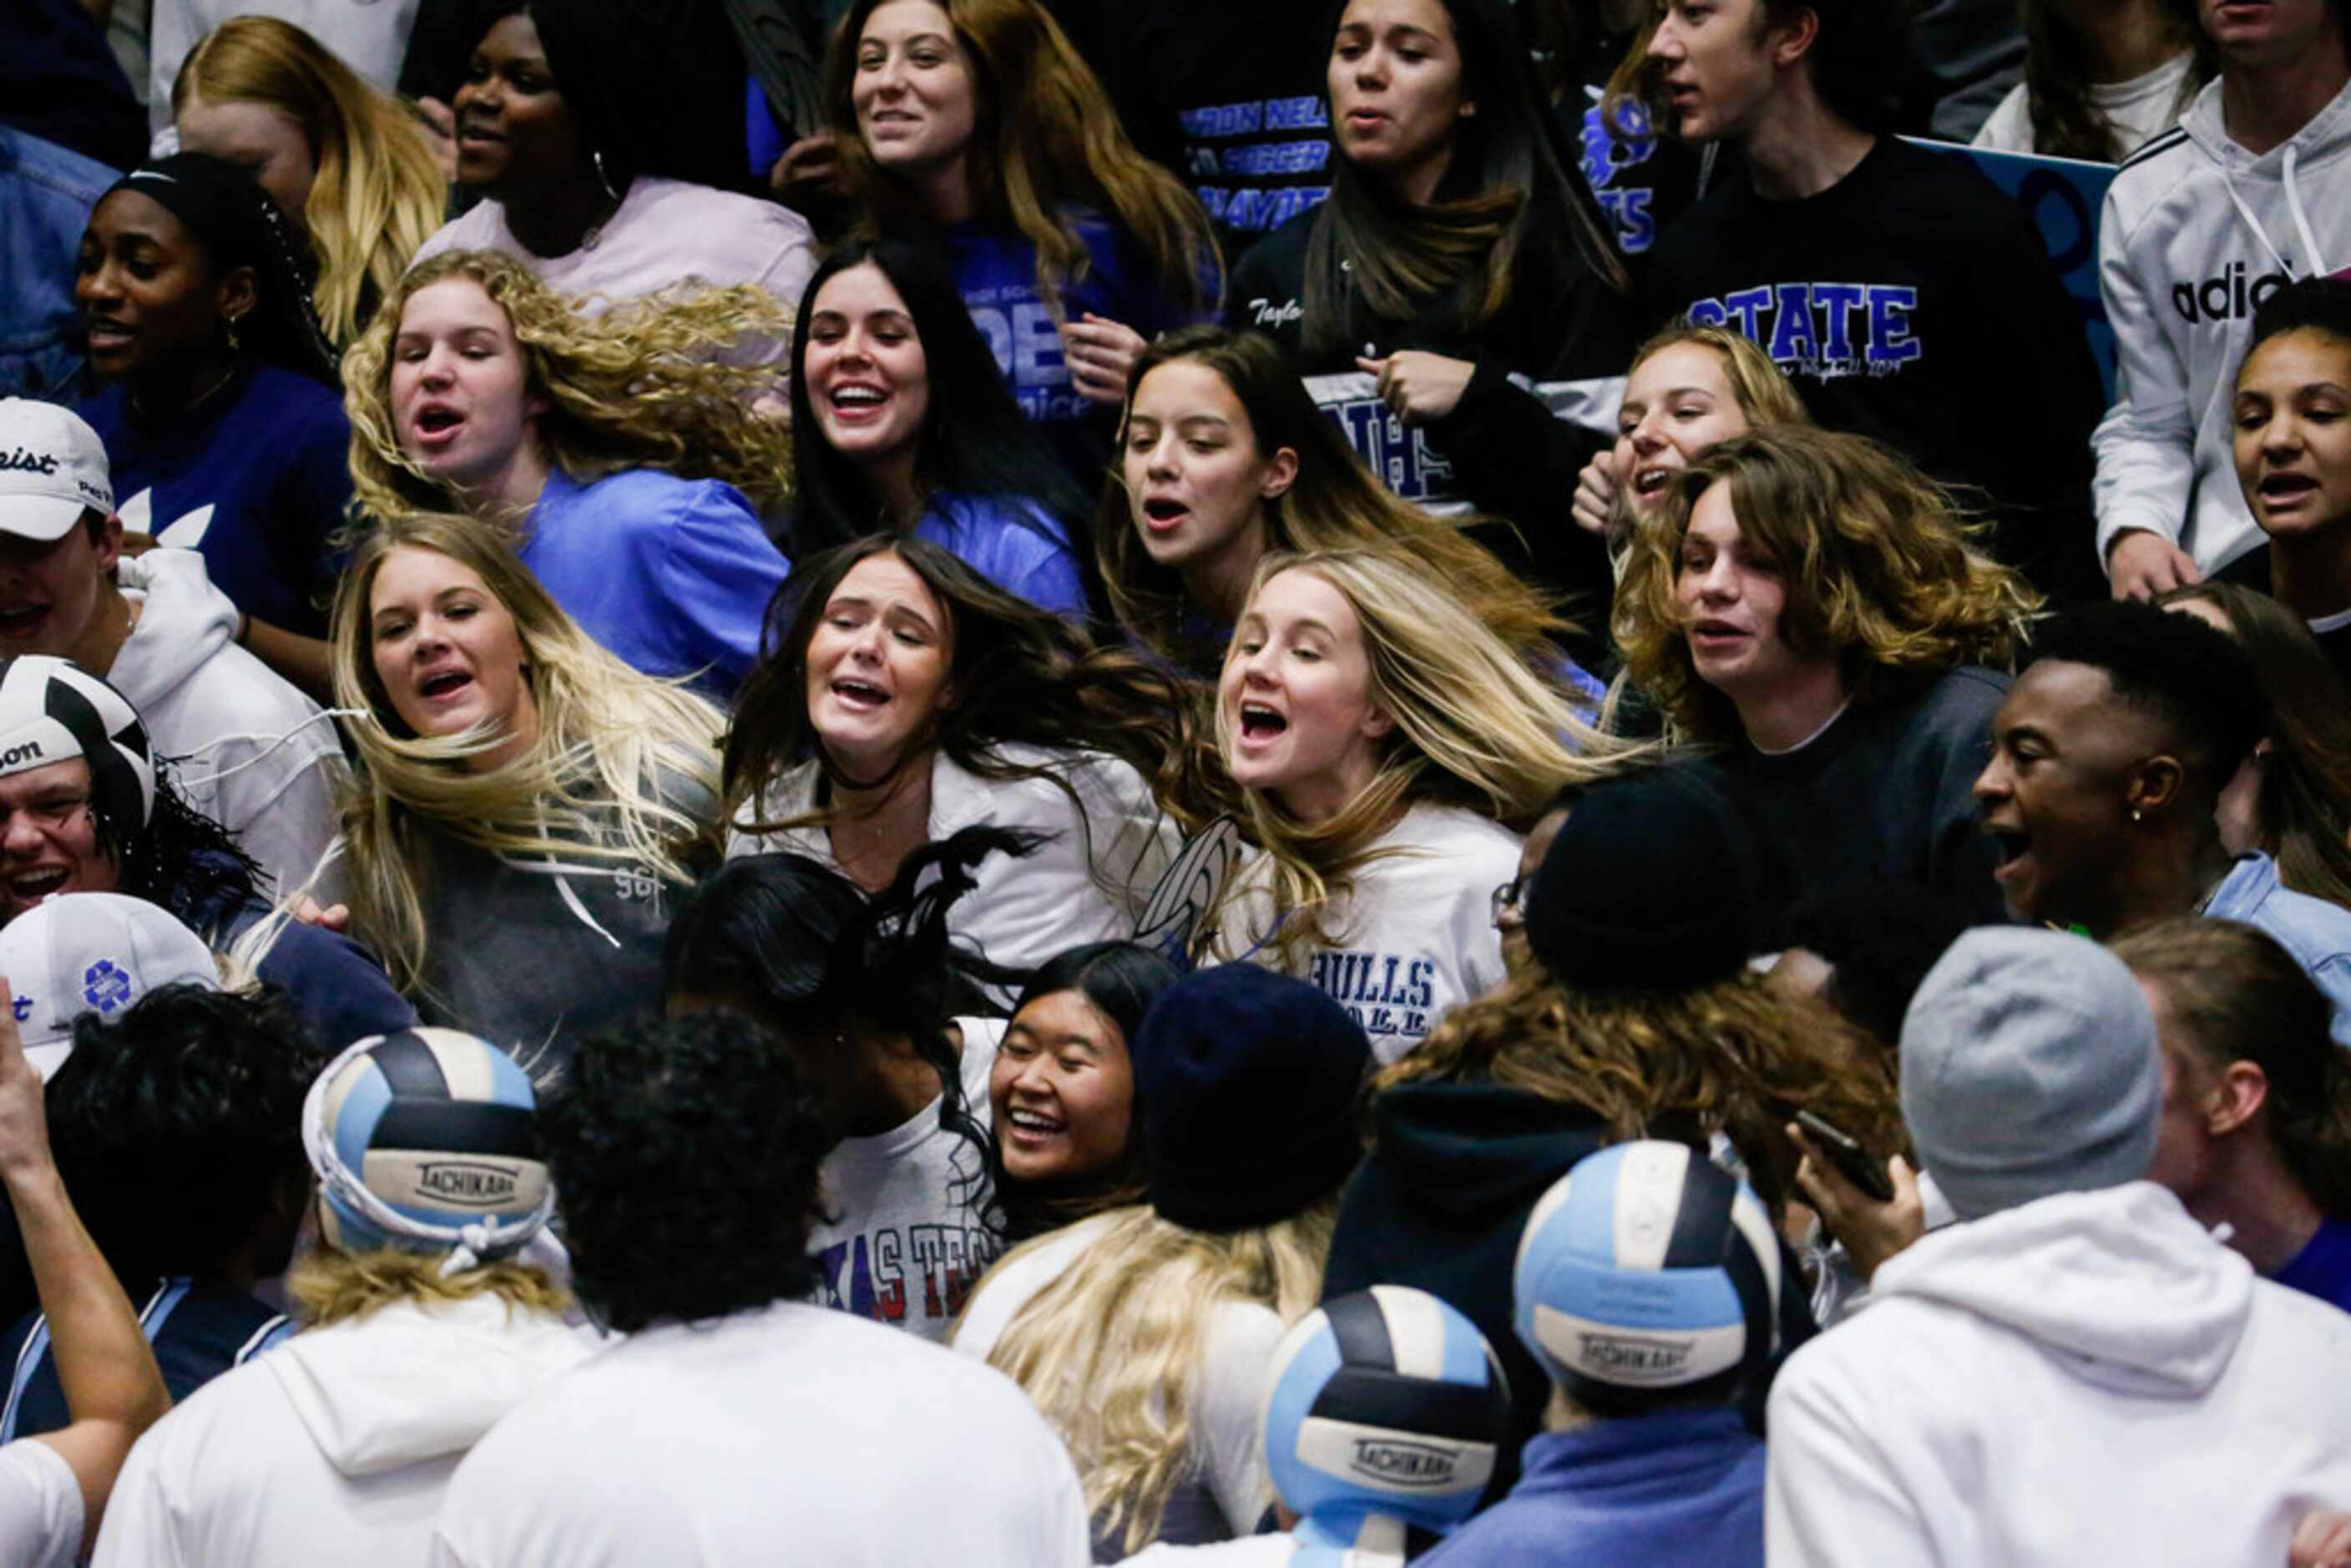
(2334, 635)
(198, 1331)
(1884, 793)
(1913, 302)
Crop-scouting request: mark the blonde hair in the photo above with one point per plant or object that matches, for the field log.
(1878, 561)
(1475, 727)
(1046, 139)
(637, 387)
(624, 767)
(1764, 394)
(332, 1286)
(377, 195)
(1335, 502)
(1111, 1351)
(1736, 1056)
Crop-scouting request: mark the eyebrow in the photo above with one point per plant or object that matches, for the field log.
(902, 611)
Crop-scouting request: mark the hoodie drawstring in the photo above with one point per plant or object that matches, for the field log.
(2317, 258)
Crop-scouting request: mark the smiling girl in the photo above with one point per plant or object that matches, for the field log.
(623, 464)
(2294, 453)
(1812, 604)
(904, 698)
(1389, 748)
(525, 804)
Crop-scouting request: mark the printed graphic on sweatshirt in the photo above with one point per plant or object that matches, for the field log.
(1827, 331)
(1026, 343)
(185, 531)
(1386, 993)
(1399, 454)
(1612, 146)
(891, 1271)
(1232, 150)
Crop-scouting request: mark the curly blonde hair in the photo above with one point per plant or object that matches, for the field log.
(1737, 1056)
(624, 767)
(1111, 1351)
(640, 386)
(332, 1286)
(1475, 727)
(377, 194)
(1878, 560)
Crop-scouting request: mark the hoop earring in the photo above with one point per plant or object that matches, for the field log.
(602, 178)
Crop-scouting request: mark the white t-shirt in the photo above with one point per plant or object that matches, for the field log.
(1249, 1552)
(1416, 937)
(41, 1506)
(2141, 108)
(665, 232)
(1225, 1398)
(911, 1236)
(784, 1434)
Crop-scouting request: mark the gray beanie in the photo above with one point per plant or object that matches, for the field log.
(2030, 1068)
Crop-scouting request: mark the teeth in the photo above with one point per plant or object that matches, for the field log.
(1033, 1123)
(857, 395)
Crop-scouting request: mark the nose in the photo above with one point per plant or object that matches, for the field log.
(889, 77)
(1666, 43)
(98, 285)
(1159, 459)
(1649, 435)
(20, 836)
(1993, 785)
(2282, 434)
(440, 368)
(429, 638)
(1717, 580)
(1033, 1078)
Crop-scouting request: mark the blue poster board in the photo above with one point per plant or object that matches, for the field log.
(2065, 197)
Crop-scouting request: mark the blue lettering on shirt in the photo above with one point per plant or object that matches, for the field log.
(1613, 144)
(1400, 456)
(1824, 330)
(1274, 158)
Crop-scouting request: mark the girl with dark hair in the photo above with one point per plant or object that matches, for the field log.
(902, 698)
(1061, 1093)
(1463, 314)
(2292, 459)
(976, 121)
(1223, 459)
(870, 997)
(219, 414)
(2292, 798)
(2255, 1136)
(879, 328)
(596, 182)
(2100, 80)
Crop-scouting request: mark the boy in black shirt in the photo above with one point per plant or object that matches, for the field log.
(1907, 297)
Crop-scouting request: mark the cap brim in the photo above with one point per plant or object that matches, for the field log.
(46, 518)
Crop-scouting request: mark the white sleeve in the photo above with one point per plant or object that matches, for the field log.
(1226, 1421)
(2008, 128)
(1830, 1501)
(41, 1506)
(173, 29)
(2145, 445)
(282, 811)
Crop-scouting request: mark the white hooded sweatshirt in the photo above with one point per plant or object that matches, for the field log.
(2089, 1379)
(336, 1445)
(2197, 232)
(248, 750)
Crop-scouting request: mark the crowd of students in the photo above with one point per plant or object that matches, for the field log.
(1039, 783)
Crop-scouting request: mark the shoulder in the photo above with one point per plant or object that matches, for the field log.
(2008, 128)
(1008, 1287)
(1453, 839)
(1282, 254)
(311, 410)
(477, 229)
(676, 211)
(2158, 175)
(646, 500)
(1968, 695)
(975, 514)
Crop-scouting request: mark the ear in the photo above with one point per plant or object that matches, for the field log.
(109, 544)
(1378, 723)
(2239, 1093)
(1792, 40)
(2155, 785)
(1280, 472)
(239, 293)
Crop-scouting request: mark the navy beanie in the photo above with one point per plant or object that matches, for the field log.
(1247, 1082)
(1651, 885)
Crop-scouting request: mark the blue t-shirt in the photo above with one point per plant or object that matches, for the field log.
(673, 575)
(1675, 1486)
(197, 1331)
(2323, 1267)
(255, 480)
(996, 273)
(1015, 544)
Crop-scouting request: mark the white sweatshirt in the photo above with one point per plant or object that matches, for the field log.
(2086, 1379)
(1087, 882)
(335, 1446)
(2197, 232)
(247, 749)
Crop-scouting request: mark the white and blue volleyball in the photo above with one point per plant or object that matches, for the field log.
(427, 1140)
(1648, 1275)
(1386, 1401)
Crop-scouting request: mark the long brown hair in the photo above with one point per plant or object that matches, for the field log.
(2065, 123)
(1046, 140)
(1877, 558)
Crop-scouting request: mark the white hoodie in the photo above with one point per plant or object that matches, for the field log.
(2090, 1379)
(336, 1445)
(249, 750)
(2197, 232)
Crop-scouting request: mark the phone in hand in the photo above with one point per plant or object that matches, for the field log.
(1842, 1150)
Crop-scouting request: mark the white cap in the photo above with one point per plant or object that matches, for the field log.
(93, 953)
(52, 468)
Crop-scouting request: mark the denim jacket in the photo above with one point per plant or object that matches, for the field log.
(2317, 933)
(46, 195)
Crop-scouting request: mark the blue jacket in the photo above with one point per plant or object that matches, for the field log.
(255, 481)
(1675, 1486)
(2317, 933)
(673, 575)
(1017, 546)
(46, 194)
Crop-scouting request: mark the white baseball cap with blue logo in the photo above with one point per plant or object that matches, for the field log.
(52, 469)
(84, 953)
